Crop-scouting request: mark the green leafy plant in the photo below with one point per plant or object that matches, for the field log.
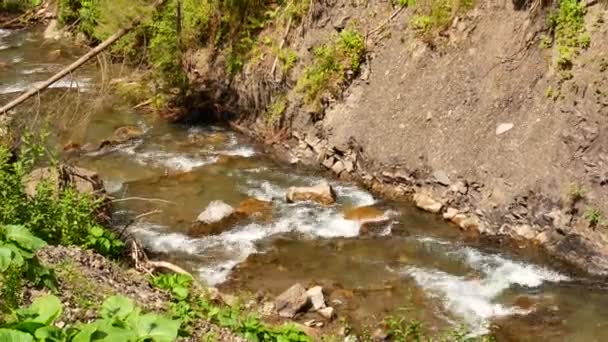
(120, 321)
(276, 109)
(567, 24)
(18, 261)
(593, 216)
(330, 65)
(436, 15)
(177, 284)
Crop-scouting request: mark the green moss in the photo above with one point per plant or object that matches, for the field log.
(330, 63)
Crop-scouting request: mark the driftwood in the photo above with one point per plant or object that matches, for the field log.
(276, 59)
(81, 61)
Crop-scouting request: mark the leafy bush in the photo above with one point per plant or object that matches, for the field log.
(120, 321)
(177, 284)
(18, 261)
(58, 216)
(329, 67)
(593, 216)
(570, 36)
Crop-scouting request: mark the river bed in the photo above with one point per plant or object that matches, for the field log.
(419, 264)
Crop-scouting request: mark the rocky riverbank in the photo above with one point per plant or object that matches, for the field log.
(462, 124)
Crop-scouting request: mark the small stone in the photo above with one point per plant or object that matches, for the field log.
(327, 313)
(459, 187)
(338, 167)
(503, 128)
(126, 133)
(441, 177)
(291, 301)
(315, 297)
(542, 238)
(267, 309)
(380, 335)
(450, 213)
(340, 23)
(524, 231)
(426, 203)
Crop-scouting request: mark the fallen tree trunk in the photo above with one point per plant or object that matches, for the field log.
(81, 61)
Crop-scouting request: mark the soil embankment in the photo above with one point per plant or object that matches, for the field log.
(478, 118)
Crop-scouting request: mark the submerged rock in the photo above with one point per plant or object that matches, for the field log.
(426, 203)
(321, 193)
(327, 313)
(256, 209)
(373, 221)
(215, 219)
(125, 133)
(292, 301)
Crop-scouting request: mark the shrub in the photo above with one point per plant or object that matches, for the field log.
(330, 64)
(58, 216)
(568, 27)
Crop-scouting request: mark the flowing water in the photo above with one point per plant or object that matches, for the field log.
(419, 263)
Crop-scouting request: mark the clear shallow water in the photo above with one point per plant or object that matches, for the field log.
(422, 263)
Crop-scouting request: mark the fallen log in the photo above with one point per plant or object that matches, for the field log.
(81, 61)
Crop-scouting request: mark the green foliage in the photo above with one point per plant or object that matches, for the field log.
(330, 64)
(250, 326)
(593, 216)
(276, 109)
(120, 321)
(177, 284)
(18, 5)
(435, 15)
(57, 216)
(288, 59)
(18, 262)
(405, 330)
(570, 36)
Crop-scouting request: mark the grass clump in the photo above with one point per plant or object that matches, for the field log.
(331, 62)
(189, 304)
(593, 216)
(277, 108)
(436, 15)
(567, 24)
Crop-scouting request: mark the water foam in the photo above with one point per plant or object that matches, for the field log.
(473, 298)
(169, 160)
(354, 195)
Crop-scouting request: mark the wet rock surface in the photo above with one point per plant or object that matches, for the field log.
(321, 193)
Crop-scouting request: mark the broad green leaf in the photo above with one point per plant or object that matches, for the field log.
(117, 307)
(158, 328)
(49, 334)
(108, 333)
(23, 237)
(180, 292)
(47, 308)
(5, 258)
(18, 254)
(7, 335)
(85, 334)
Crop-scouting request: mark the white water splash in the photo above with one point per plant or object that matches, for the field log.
(80, 84)
(172, 161)
(354, 195)
(473, 298)
(241, 151)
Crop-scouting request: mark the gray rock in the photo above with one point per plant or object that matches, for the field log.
(503, 128)
(327, 313)
(341, 22)
(315, 297)
(291, 301)
(441, 177)
(426, 203)
(459, 187)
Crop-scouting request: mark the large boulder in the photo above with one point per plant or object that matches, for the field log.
(292, 301)
(321, 193)
(215, 219)
(316, 298)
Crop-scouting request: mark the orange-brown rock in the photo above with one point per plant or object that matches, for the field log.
(256, 209)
